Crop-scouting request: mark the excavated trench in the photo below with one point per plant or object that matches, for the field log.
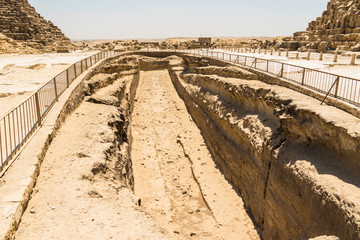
(210, 151)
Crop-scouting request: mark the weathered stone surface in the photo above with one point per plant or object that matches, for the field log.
(20, 21)
(8, 45)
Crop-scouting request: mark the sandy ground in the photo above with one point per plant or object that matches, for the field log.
(69, 201)
(21, 75)
(175, 176)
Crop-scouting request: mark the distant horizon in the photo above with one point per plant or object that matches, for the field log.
(161, 19)
(125, 39)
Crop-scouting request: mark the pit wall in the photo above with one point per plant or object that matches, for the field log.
(296, 171)
(102, 76)
(127, 68)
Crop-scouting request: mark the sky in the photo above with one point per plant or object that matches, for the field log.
(152, 19)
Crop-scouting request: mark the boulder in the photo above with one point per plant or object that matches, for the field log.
(323, 46)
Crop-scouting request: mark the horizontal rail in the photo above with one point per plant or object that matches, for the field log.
(21, 122)
(346, 88)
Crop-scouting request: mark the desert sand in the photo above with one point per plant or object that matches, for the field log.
(21, 75)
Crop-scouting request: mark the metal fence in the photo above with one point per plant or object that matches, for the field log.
(20, 123)
(341, 87)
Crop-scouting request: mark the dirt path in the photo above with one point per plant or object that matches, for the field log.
(175, 177)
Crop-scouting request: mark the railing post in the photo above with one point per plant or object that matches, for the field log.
(267, 65)
(353, 58)
(337, 86)
(81, 66)
(303, 77)
(37, 103)
(75, 70)
(67, 78)
(336, 90)
(336, 57)
(255, 63)
(56, 92)
(282, 70)
(245, 60)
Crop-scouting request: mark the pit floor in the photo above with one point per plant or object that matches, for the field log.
(175, 175)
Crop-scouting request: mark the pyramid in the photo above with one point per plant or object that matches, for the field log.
(337, 29)
(20, 21)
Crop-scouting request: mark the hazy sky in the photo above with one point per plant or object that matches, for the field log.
(120, 19)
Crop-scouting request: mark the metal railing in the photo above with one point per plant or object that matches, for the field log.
(340, 87)
(20, 123)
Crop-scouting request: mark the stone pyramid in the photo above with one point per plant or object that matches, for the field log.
(20, 21)
(337, 29)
